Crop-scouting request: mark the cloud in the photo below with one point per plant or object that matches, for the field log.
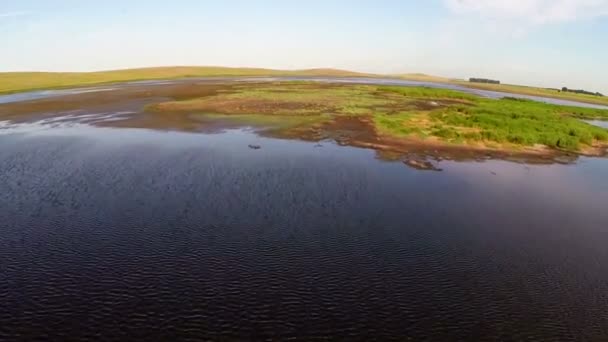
(531, 12)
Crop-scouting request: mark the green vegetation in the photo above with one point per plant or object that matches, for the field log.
(535, 91)
(11, 82)
(510, 88)
(582, 91)
(429, 93)
(514, 121)
(293, 98)
(22, 81)
(273, 121)
(406, 113)
(425, 78)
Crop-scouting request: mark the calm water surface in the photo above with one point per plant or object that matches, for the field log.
(599, 123)
(133, 234)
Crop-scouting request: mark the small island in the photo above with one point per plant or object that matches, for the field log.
(400, 118)
(388, 119)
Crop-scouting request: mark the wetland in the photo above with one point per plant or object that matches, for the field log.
(255, 209)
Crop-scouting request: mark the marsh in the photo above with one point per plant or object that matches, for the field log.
(127, 216)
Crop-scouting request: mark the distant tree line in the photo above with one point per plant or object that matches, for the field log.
(483, 80)
(580, 91)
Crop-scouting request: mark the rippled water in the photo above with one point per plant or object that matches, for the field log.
(132, 234)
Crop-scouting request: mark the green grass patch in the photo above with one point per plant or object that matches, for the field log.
(534, 91)
(509, 120)
(285, 99)
(429, 93)
(271, 121)
(451, 116)
(524, 123)
(24, 81)
(11, 82)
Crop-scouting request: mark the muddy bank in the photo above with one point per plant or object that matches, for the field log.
(329, 118)
(133, 98)
(360, 132)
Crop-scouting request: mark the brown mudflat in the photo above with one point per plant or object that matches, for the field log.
(184, 106)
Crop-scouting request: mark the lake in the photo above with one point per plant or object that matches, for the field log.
(170, 232)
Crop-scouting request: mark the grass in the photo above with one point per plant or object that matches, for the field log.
(425, 78)
(283, 99)
(535, 91)
(509, 88)
(11, 82)
(403, 112)
(403, 124)
(513, 121)
(272, 121)
(429, 93)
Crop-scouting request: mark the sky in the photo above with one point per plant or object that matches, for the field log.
(551, 43)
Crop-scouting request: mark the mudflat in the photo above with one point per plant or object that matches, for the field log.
(393, 120)
(250, 210)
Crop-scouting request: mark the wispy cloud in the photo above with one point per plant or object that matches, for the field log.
(534, 12)
(13, 14)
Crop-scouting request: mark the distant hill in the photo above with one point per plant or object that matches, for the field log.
(21, 81)
(423, 78)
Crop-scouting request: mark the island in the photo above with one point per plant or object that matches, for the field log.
(401, 118)
(387, 118)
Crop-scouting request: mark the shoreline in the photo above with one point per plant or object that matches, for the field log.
(390, 120)
(22, 81)
(396, 148)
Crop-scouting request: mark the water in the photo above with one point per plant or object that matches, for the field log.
(135, 234)
(43, 94)
(34, 95)
(599, 123)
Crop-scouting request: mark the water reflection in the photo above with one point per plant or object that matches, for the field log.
(162, 234)
(599, 123)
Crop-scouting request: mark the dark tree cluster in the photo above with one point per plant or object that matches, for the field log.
(581, 91)
(483, 80)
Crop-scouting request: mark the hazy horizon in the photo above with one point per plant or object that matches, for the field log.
(533, 42)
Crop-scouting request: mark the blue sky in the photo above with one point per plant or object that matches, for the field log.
(537, 42)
